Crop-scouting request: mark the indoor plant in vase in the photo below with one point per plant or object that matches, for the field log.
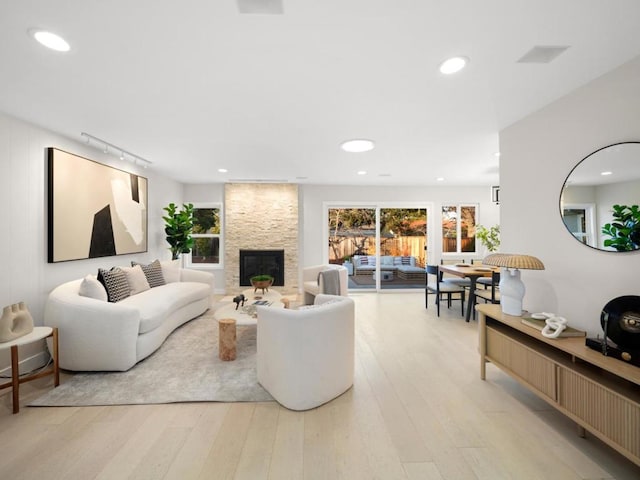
(261, 281)
(178, 227)
(489, 237)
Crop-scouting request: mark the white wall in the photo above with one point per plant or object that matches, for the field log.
(538, 152)
(26, 275)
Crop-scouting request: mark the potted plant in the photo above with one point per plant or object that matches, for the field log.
(624, 230)
(178, 227)
(489, 237)
(348, 264)
(261, 281)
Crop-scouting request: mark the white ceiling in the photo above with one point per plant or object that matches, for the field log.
(195, 86)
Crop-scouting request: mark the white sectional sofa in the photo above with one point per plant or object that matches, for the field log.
(403, 267)
(98, 335)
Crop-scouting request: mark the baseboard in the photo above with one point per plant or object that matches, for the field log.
(28, 364)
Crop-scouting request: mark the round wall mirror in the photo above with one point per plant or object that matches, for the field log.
(600, 198)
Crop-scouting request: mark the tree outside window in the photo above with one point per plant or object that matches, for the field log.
(459, 228)
(206, 236)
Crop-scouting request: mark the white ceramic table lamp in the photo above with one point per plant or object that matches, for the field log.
(511, 287)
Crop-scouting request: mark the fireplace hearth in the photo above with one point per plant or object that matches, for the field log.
(262, 262)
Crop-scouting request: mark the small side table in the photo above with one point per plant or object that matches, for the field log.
(227, 339)
(38, 333)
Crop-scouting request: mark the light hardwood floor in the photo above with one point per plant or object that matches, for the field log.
(417, 410)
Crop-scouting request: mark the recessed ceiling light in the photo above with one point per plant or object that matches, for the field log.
(357, 145)
(497, 154)
(362, 172)
(51, 40)
(453, 65)
(440, 179)
(605, 173)
(223, 170)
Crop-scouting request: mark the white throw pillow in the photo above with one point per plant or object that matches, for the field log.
(171, 270)
(136, 279)
(92, 288)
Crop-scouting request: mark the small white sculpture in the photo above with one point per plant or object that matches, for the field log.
(16, 321)
(554, 325)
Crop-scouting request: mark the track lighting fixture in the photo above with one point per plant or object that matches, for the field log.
(124, 154)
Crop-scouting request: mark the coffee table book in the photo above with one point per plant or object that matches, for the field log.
(540, 324)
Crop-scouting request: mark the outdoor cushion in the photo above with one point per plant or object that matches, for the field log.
(386, 260)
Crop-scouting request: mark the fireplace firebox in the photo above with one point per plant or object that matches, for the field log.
(262, 262)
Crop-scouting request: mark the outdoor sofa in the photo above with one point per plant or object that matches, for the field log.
(403, 267)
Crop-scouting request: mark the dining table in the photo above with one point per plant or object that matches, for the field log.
(472, 272)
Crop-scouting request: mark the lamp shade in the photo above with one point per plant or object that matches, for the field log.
(510, 260)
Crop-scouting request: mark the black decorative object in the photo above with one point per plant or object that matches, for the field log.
(620, 320)
(239, 300)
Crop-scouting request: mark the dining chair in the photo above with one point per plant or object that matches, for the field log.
(491, 291)
(435, 285)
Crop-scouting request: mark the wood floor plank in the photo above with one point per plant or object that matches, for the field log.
(381, 454)
(319, 450)
(255, 459)
(190, 460)
(222, 461)
(422, 471)
(131, 453)
(405, 437)
(51, 449)
(288, 446)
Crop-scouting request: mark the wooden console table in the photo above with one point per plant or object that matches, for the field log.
(601, 394)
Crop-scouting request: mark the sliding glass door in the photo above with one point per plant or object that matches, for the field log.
(403, 237)
(381, 247)
(352, 243)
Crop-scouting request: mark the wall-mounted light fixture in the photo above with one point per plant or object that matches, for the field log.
(495, 194)
(121, 153)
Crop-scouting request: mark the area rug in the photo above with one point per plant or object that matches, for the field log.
(186, 368)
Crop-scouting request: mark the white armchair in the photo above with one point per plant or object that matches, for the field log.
(312, 287)
(306, 357)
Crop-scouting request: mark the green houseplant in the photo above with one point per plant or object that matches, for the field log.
(624, 231)
(489, 237)
(261, 281)
(178, 227)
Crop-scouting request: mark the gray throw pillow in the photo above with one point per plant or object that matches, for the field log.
(153, 272)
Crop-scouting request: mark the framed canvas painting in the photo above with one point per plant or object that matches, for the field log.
(93, 210)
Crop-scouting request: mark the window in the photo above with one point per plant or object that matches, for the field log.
(207, 234)
(459, 228)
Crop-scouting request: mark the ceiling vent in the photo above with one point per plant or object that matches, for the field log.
(543, 53)
(264, 7)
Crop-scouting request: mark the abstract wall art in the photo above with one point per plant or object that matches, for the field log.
(93, 210)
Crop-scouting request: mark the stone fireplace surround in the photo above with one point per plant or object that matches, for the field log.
(261, 216)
